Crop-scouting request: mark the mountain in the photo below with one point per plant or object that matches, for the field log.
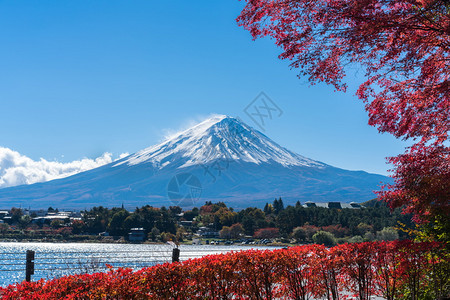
(220, 159)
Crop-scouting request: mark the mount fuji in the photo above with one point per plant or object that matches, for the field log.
(219, 159)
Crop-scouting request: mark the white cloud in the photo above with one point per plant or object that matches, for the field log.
(123, 155)
(17, 169)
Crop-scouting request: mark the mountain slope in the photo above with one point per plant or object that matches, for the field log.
(220, 159)
(220, 137)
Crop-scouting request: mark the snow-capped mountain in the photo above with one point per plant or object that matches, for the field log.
(220, 137)
(220, 159)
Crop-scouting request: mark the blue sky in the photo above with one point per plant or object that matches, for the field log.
(80, 78)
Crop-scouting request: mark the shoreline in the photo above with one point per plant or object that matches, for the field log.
(106, 242)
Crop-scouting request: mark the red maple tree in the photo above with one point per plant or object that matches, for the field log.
(403, 47)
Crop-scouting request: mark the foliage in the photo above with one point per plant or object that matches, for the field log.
(252, 219)
(116, 224)
(118, 221)
(402, 44)
(225, 232)
(336, 230)
(16, 214)
(236, 230)
(24, 221)
(324, 238)
(422, 185)
(278, 206)
(267, 233)
(387, 234)
(393, 270)
(355, 239)
(218, 214)
(296, 222)
(4, 228)
(299, 234)
(403, 47)
(341, 222)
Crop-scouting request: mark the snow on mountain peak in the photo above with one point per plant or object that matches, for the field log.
(218, 137)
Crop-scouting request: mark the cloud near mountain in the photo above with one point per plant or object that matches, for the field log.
(18, 169)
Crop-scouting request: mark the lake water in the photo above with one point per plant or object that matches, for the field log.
(58, 259)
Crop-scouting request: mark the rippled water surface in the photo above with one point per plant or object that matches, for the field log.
(59, 259)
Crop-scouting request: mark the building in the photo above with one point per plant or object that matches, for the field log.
(336, 205)
(207, 232)
(3, 213)
(185, 224)
(136, 235)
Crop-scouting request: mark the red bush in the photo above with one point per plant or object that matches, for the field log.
(266, 233)
(393, 270)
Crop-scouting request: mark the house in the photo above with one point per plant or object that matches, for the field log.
(36, 213)
(51, 216)
(207, 232)
(3, 213)
(185, 224)
(136, 235)
(336, 205)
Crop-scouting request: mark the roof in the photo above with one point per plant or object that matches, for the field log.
(338, 205)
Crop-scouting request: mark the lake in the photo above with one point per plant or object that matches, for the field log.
(54, 260)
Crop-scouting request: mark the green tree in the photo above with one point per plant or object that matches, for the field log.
(51, 210)
(289, 218)
(97, 219)
(4, 228)
(24, 221)
(224, 217)
(236, 230)
(278, 206)
(56, 224)
(175, 210)
(15, 213)
(387, 234)
(167, 236)
(299, 234)
(225, 232)
(362, 228)
(191, 214)
(324, 238)
(164, 222)
(268, 209)
(252, 219)
(132, 221)
(78, 226)
(116, 224)
(154, 233)
(356, 239)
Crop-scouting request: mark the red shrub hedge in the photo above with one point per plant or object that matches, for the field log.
(393, 270)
